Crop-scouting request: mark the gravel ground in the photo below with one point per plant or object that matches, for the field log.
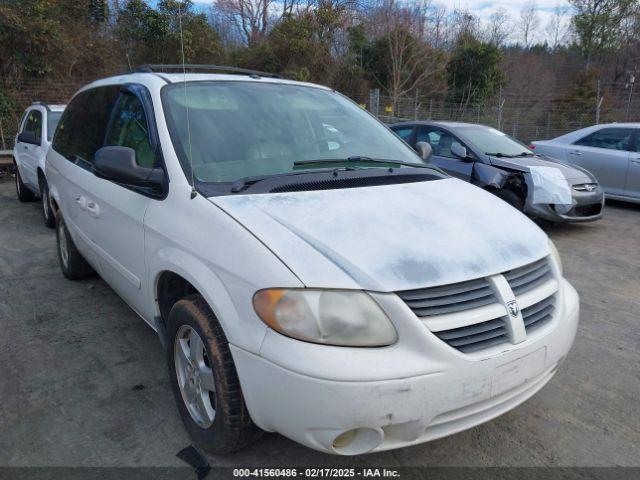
(84, 381)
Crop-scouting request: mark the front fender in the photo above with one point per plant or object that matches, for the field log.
(240, 324)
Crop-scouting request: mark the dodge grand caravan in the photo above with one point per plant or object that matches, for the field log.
(306, 270)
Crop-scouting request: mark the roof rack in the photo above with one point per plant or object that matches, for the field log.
(159, 67)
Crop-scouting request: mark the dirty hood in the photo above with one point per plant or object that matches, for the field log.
(391, 237)
(522, 164)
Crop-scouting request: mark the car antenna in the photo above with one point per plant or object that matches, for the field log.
(186, 103)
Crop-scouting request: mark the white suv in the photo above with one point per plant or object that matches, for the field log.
(307, 272)
(29, 152)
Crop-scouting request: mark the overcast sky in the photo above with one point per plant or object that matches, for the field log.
(484, 8)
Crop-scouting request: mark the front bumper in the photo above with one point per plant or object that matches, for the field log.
(415, 391)
(586, 207)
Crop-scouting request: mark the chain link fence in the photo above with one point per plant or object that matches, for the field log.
(527, 119)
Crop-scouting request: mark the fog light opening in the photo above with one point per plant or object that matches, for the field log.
(357, 441)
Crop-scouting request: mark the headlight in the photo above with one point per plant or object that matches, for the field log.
(555, 255)
(331, 317)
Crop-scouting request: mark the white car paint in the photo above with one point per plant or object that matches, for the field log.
(617, 171)
(31, 158)
(378, 239)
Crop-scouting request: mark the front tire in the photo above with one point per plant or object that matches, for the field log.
(47, 212)
(22, 191)
(511, 197)
(72, 263)
(204, 379)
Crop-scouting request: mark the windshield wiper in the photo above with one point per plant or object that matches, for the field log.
(499, 155)
(360, 159)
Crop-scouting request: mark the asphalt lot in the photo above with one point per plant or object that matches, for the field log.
(83, 380)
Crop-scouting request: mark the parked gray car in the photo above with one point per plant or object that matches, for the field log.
(611, 152)
(540, 187)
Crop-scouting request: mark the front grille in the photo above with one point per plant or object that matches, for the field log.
(470, 316)
(586, 210)
(475, 337)
(528, 277)
(538, 314)
(456, 297)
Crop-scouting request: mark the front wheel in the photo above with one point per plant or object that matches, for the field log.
(511, 197)
(204, 379)
(47, 212)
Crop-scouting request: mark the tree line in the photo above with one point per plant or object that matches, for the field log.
(583, 55)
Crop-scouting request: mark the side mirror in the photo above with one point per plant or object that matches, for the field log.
(28, 137)
(460, 152)
(425, 151)
(118, 164)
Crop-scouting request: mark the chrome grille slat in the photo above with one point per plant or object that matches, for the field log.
(458, 297)
(452, 298)
(539, 313)
(452, 289)
(459, 342)
(471, 329)
(528, 277)
(455, 307)
(518, 272)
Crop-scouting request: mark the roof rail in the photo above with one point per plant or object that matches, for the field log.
(159, 67)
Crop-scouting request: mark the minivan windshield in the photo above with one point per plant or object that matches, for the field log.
(493, 142)
(240, 129)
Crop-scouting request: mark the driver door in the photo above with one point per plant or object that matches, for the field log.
(441, 142)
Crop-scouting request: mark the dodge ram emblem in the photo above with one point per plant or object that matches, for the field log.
(513, 308)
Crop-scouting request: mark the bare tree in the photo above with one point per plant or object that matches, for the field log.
(558, 26)
(529, 22)
(499, 27)
(412, 61)
(251, 18)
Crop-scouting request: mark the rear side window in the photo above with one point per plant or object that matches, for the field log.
(129, 128)
(608, 138)
(440, 141)
(82, 128)
(52, 122)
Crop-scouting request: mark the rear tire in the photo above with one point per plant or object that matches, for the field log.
(47, 212)
(511, 197)
(204, 379)
(72, 263)
(22, 191)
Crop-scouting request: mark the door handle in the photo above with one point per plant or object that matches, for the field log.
(575, 152)
(636, 160)
(93, 209)
(81, 200)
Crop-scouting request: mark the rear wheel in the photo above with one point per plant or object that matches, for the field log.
(204, 379)
(47, 212)
(72, 263)
(511, 197)
(22, 191)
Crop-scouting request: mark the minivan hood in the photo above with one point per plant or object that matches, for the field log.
(522, 164)
(392, 237)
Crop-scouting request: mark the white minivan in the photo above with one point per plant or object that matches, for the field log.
(306, 270)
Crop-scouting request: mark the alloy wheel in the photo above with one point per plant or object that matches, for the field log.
(195, 376)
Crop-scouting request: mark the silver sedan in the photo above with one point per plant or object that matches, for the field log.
(611, 152)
